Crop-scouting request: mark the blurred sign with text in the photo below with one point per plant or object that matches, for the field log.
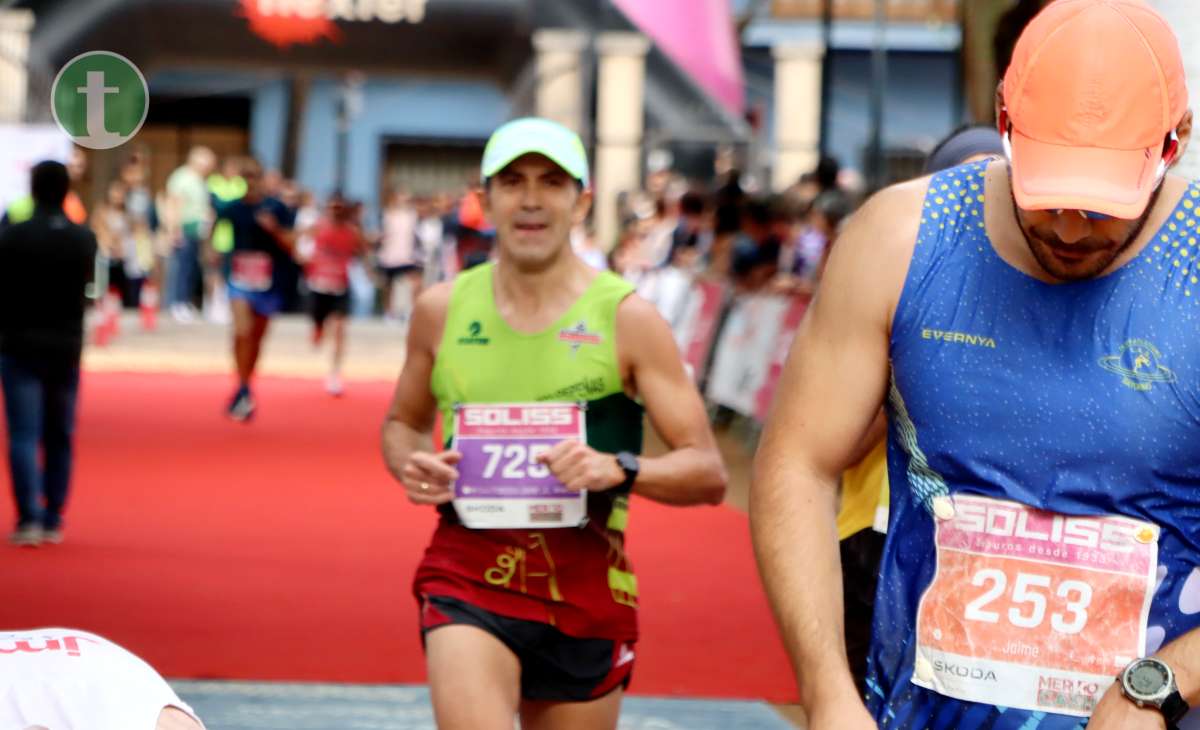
(292, 22)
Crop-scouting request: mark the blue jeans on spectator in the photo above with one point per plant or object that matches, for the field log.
(39, 403)
(184, 267)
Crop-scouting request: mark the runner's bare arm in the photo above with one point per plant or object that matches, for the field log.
(831, 390)
(875, 433)
(407, 449)
(173, 718)
(692, 472)
(1183, 656)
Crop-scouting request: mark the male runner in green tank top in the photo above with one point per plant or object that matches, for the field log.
(523, 619)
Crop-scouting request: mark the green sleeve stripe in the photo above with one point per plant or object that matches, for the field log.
(619, 580)
(618, 519)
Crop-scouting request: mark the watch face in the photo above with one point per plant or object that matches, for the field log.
(1147, 678)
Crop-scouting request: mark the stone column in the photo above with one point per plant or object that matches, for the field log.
(797, 111)
(560, 75)
(620, 111)
(14, 52)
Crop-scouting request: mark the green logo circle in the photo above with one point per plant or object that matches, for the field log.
(100, 99)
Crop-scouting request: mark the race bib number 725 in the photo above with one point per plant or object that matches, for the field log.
(501, 482)
(1031, 609)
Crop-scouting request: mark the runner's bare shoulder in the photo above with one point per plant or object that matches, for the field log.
(872, 253)
(429, 315)
(640, 330)
(635, 311)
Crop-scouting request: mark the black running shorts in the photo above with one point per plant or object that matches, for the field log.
(554, 667)
(324, 305)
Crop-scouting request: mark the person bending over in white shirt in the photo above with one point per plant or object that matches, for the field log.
(66, 679)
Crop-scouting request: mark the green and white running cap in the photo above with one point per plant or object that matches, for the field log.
(535, 135)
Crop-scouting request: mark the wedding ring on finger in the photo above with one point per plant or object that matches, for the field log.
(424, 486)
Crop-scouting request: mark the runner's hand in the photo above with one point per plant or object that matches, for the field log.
(578, 466)
(429, 478)
(1116, 712)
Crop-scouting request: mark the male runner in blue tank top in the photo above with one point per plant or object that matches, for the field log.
(1033, 325)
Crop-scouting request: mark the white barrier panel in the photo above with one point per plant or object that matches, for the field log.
(668, 290)
(21, 147)
(744, 350)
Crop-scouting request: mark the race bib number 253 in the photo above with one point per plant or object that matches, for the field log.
(1031, 609)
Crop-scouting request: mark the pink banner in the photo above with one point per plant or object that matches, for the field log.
(699, 36)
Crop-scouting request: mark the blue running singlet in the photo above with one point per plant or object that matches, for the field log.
(1044, 456)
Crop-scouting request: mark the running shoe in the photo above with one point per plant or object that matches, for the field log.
(241, 408)
(26, 535)
(183, 314)
(333, 386)
(53, 537)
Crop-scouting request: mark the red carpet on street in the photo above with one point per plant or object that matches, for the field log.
(282, 550)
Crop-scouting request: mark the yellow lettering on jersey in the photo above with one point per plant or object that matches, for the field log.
(958, 338)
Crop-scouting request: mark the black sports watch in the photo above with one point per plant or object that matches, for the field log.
(1150, 682)
(629, 463)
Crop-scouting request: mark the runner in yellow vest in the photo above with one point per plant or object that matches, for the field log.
(227, 186)
(537, 616)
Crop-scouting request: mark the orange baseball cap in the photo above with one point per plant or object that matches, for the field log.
(1093, 90)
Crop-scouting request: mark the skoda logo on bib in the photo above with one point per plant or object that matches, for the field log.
(1032, 609)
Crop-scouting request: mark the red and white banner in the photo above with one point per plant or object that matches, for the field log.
(783, 344)
(696, 328)
(747, 349)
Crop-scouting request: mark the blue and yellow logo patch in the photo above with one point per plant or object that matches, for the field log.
(1139, 364)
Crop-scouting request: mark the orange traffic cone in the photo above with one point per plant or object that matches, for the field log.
(112, 310)
(106, 323)
(100, 332)
(148, 306)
